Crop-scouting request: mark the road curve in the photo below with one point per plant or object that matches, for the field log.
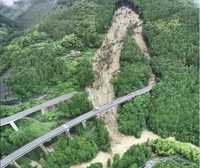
(153, 162)
(47, 137)
(50, 103)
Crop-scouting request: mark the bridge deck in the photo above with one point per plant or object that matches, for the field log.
(50, 135)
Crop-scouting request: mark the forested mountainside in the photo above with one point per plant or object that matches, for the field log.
(7, 28)
(79, 28)
(172, 32)
(28, 12)
(102, 49)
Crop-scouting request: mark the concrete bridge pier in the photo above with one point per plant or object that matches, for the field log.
(98, 116)
(15, 164)
(14, 126)
(84, 124)
(44, 149)
(68, 134)
(44, 110)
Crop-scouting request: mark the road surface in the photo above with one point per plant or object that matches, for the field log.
(153, 162)
(66, 127)
(50, 103)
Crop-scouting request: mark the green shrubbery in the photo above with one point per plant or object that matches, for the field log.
(34, 74)
(34, 63)
(174, 106)
(83, 74)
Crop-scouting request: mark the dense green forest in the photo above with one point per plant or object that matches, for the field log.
(171, 109)
(171, 29)
(180, 155)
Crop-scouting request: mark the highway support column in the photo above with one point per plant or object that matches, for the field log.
(68, 134)
(15, 164)
(14, 126)
(44, 110)
(44, 149)
(84, 124)
(98, 116)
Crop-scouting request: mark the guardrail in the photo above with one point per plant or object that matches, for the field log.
(67, 126)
